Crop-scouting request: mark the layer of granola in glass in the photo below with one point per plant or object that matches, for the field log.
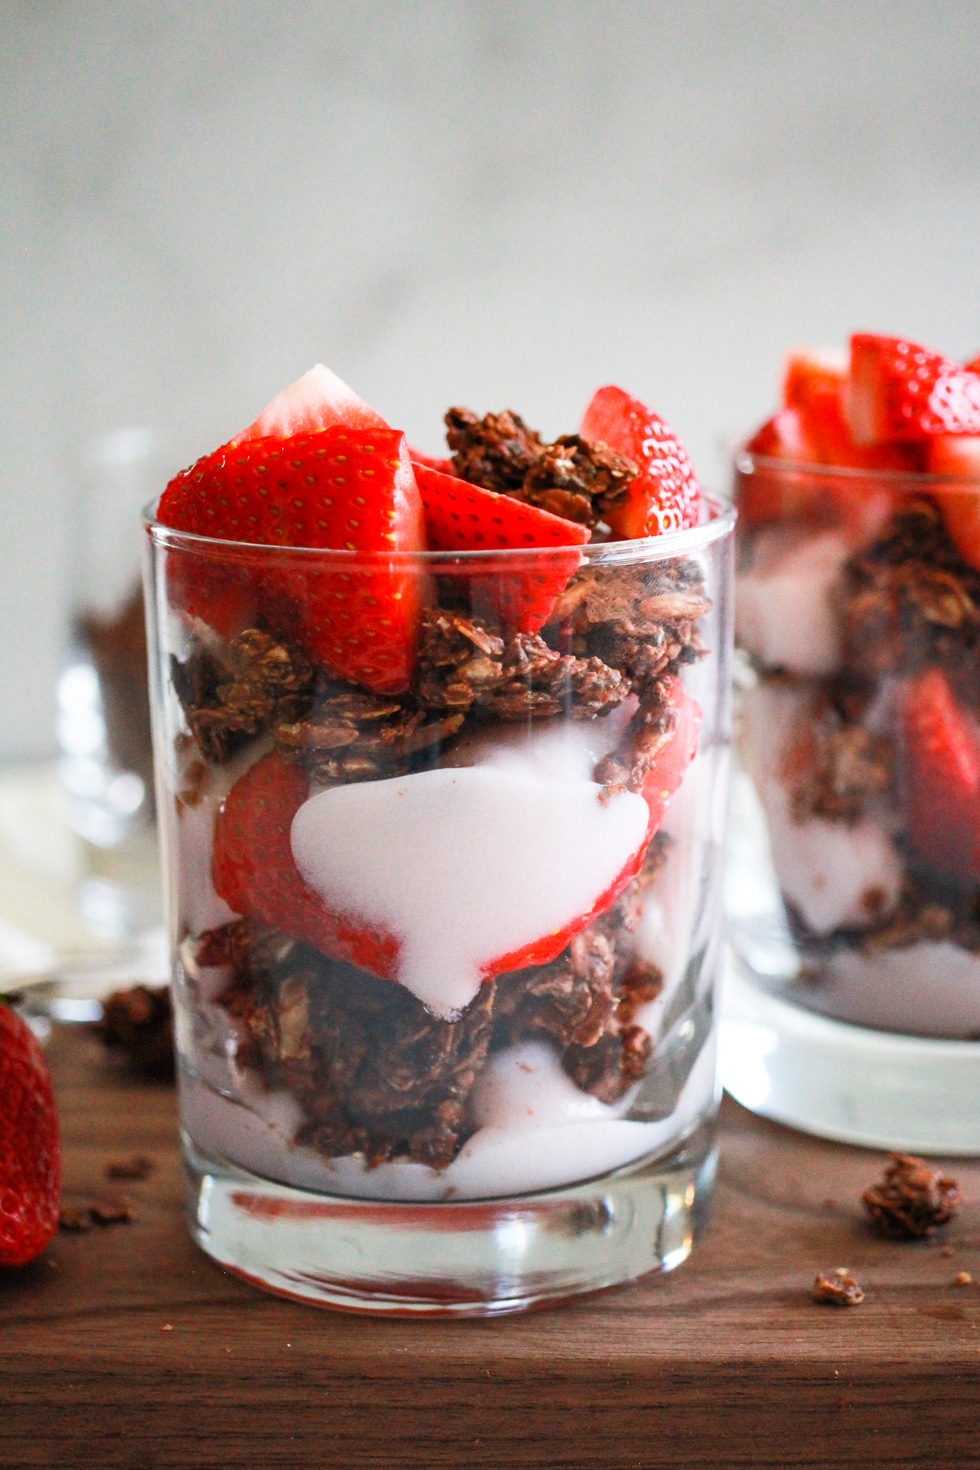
(373, 1071)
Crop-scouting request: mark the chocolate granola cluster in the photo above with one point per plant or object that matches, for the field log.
(376, 1073)
(573, 477)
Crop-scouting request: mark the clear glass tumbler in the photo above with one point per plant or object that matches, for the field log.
(103, 721)
(853, 891)
(445, 948)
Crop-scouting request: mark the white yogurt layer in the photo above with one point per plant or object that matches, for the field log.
(838, 875)
(466, 865)
(784, 614)
(538, 1131)
(926, 989)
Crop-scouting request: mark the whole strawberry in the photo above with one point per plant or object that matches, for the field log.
(30, 1155)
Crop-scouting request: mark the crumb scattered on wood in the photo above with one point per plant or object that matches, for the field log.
(135, 1167)
(138, 1025)
(912, 1200)
(838, 1288)
(110, 1209)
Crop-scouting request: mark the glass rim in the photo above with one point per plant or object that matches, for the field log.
(610, 553)
(746, 461)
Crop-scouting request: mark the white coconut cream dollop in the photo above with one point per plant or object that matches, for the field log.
(465, 865)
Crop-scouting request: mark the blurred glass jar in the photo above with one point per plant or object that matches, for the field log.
(103, 719)
(853, 1009)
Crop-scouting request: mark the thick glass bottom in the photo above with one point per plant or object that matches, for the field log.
(476, 1259)
(876, 1088)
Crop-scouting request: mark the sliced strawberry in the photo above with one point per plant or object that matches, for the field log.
(339, 488)
(254, 872)
(813, 374)
(665, 496)
(317, 400)
(942, 778)
(665, 774)
(224, 597)
(958, 456)
(30, 1154)
(463, 517)
(955, 454)
(675, 755)
(812, 430)
(898, 390)
(775, 493)
(814, 387)
(785, 436)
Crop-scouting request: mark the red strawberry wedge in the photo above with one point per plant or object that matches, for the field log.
(254, 872)
(30, 1154)
(464, 517)
(942, 778)
(812, 375)
(957, 456)
(336, 488)
(670, 764)
(815, 384)
(900, 391)
(665, 496)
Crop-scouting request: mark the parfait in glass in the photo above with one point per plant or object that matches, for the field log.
(855, 877)
(441, 751)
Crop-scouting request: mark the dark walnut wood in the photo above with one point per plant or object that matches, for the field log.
(127, 1347)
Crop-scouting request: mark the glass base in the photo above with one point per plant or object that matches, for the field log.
(477, 1259)
(876, 1088)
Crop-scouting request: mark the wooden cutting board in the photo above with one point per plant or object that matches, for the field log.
(127, 1347)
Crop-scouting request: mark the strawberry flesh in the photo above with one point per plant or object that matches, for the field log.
(898, 390)
(336, 488)
(942, 778)
(30, 1154)
(254, 872)
(665, 496)
(317, 400)
(958, 457)
(464, 517)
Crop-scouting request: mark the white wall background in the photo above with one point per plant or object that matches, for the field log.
(494, 202)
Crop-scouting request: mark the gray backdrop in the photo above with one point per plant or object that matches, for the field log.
(476, 201)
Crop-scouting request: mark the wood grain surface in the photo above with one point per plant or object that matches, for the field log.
(127, 1347)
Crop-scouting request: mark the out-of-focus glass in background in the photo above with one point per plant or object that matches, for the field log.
(103, 720)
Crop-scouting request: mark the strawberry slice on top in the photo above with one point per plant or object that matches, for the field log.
(336, 488)
(815, 384)
(665, 496)
(464, 517)
(898, 390)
